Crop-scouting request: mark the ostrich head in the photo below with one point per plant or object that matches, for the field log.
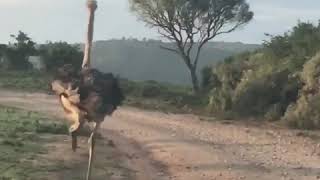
(92, 5)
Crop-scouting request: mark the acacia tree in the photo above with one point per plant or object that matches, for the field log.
(192, 23)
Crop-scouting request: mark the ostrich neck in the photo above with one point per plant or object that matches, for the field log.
(87, 52)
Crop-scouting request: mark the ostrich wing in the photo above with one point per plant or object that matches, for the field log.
(70, 100)
(65, 88)
(58, 87)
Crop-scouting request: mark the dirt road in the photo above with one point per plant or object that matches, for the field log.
(156, 146)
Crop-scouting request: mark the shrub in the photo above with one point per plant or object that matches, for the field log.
(305, 113)
(209, 80)
(151, 89)
(311, 74)
(220, 100)
(257, 96)
(274, 113)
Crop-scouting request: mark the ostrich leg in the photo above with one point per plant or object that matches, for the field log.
(91, 142)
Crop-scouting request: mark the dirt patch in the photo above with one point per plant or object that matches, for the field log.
(73, 165)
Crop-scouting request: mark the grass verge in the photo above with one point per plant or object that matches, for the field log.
(25, 81)
(22, 140)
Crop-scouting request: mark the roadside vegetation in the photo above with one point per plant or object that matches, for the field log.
(278, 82)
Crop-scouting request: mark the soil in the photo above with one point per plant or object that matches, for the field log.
(150, 145)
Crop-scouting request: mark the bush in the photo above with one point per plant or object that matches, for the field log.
(311, 75)
(257, 96)
(220, 100)
(209, 80)
(151, 89)
(167, 97)
(255, 84)
(305, 113)
(274, 113)
(265, 82)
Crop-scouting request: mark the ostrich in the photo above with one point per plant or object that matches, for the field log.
(88, 95)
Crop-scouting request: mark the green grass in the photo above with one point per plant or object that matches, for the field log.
(21, 141)
(25, 81)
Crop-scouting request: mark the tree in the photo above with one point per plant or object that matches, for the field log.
(20, 50)
(192, 23)
(3, 48)
(57, 54)
(299, 44)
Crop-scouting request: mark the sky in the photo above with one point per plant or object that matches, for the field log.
(65, 20)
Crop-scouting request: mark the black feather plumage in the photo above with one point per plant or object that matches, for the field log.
(100, 93)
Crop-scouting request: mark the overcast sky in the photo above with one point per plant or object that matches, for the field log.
(65, 20)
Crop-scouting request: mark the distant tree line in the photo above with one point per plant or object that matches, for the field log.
(53, 54)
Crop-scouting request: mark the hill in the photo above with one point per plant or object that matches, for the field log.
(145, 60)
